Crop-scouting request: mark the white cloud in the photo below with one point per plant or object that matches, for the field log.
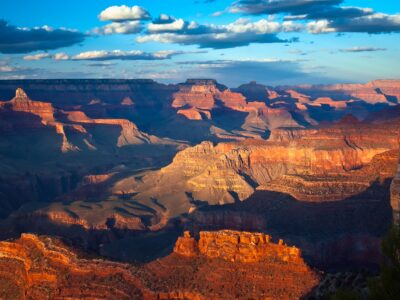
(102, 55)
(119, 28)
(217, 13)
(320, 26)
(242, 32)
(176, 25)
(60, 56)
(124, 13)
(6, 69)
(362, 49)
(38, 56)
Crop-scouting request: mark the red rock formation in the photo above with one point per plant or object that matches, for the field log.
(22, 103)
(237, 246)
(40, 267)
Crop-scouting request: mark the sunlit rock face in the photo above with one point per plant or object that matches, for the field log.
(22, 103)
(237, 246)
(35, 267)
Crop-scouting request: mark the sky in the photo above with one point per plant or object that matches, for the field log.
(274, 42)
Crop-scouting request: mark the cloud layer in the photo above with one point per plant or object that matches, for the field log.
(23, 40)
(242, 32)
(362, 49)
(102, 55)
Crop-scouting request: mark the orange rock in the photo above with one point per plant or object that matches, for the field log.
(237, 246)
(36, 268)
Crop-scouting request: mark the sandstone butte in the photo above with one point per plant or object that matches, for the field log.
(39, 267)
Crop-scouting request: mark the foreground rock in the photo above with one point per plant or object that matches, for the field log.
(35, 267)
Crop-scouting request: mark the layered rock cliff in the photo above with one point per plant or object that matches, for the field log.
(35, 267)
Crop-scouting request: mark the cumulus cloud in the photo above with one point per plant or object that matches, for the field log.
(326, 15)
(163, 19)
(23, 40)
(362, 49)
(38, 56)
(127, 27)
(124, 13)
(374, 23)
(242, 32)
(103, 55)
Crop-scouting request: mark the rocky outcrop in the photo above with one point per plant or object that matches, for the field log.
(237, 246)
(22, 103)
(35, 267)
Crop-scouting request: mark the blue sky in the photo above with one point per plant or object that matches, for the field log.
(271, 41)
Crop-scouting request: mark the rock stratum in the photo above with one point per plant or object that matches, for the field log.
(34, 267)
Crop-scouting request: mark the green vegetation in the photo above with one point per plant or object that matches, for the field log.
(387, 285)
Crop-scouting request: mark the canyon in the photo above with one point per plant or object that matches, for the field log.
(119, 169)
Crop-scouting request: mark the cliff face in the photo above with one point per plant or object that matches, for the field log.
(35, 267)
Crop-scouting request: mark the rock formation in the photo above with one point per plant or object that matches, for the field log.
(35, 267)
(237, 246)
(22, 103)
(197, 98)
